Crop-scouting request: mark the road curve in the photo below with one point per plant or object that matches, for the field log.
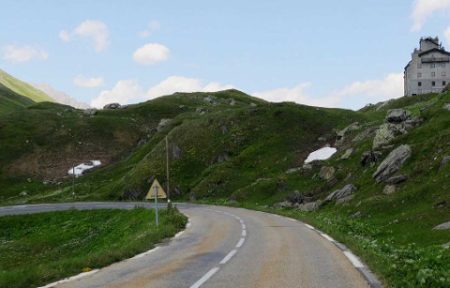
(224, 247)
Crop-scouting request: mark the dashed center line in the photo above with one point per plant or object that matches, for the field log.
(230, 254)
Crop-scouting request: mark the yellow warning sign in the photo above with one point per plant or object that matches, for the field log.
(156, 189)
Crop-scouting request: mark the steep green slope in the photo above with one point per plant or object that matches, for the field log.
(10, 101)
(219, 142)
(23, 88)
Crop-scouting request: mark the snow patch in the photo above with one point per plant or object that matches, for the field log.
(81, 168)
(321, 154)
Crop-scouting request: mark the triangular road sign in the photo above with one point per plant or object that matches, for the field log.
(159, 190)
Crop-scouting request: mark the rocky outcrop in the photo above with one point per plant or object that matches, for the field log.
(443, 226)
(389, 189)
(341, 195)
(392, 163)
(112, 106)
(163, 123)
(90, 111)
(311, 206)
(386, 133)
(397, 116)
(340, 135)
(397, 179)
(370, 158)
(327, 173)
(347, 154)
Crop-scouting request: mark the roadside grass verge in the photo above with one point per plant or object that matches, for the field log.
(40, 248)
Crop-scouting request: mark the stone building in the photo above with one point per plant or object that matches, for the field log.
(429, 68)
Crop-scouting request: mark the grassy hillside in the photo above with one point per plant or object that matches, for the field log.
(219, 142)
(41, 248)
(10, 101)
(23, 88)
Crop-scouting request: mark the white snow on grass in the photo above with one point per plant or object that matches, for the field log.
(81, 168)
(321, 154)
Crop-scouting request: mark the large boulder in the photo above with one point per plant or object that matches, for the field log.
(341, 195)
(370, 158)
(311, 206)
(386, 133)
(397, 116)
(327, 173)
(443, 226)
(112, 106)
(392, 163)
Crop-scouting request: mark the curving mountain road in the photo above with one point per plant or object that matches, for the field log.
(226, 247)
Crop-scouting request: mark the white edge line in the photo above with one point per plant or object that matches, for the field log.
(241, 241)
(327, 237)
(146, 253)
(293, 220)
(81, 275)
(309, 226)
(355, 261)
(228, 257)
(243, 226)
(205, 277)
(244, 233)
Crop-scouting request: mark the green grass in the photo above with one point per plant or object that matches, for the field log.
(41, 248)
(23, 88)
(11, 101)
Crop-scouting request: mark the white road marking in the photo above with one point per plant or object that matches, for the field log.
(145, 253)
(355, 260)
(228, 257)
(81, 275)
(243, 226)
(205, 277)
(293, 220)
(310, 227)
(244, 233)
(327, 237)
(241, 241)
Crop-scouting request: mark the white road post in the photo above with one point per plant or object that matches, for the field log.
(156, 205)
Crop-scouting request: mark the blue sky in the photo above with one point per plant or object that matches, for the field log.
(324, 53)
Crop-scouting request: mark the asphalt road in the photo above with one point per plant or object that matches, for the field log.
(225, 247)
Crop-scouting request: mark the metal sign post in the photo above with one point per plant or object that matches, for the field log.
(156, 205)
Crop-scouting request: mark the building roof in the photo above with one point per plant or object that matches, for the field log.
(434, 50)
(432, 40)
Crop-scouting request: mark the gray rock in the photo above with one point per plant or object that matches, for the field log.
(176, 152)
(389, 189)
(112, 106)
(163, 123)
(340, 135)
(447, 106)
(309, 207)
(396, 179)
(343, 194)
(347, 154)
(357, 214)
(210, 100)
(386, 133)
(322, 139)
(392, 163)
(307, 166)
(327, 173)
(364, 134)
(293, 170)
(446, 245)
(90, 111)
(23, 193)
(232, 102)
(285, 204)
(201, 110)
(445, 160)
(443, 226)
(370, 158)
(397, 115)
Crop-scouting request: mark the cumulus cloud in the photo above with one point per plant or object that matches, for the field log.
(20, 54)
(151, 53)
(298, 94)
(447, 35)
(124, 92)
(150, 29)
(95, 30)
(174, 84)
(129, 91)
(424, 9)
(86, 82)
(354, 95)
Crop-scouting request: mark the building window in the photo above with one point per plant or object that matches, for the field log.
(444, 83)
(419, 84)
(433, 65)
(433, 74)
(433, 83)
(442, 65)
(419, 65)
(419, 75)
(444, 73)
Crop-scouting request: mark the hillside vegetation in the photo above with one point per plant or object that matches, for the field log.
(23, 88)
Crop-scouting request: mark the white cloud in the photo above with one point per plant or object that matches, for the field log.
(151, 53)
(124, 92)
(21, 54)
(95, 30)
(297, 94)
(423, 9)
(370, 91)
(85, 82)
(447, 35)
(174, 84)
(151, 28)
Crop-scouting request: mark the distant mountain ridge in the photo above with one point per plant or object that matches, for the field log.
(60, 96)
